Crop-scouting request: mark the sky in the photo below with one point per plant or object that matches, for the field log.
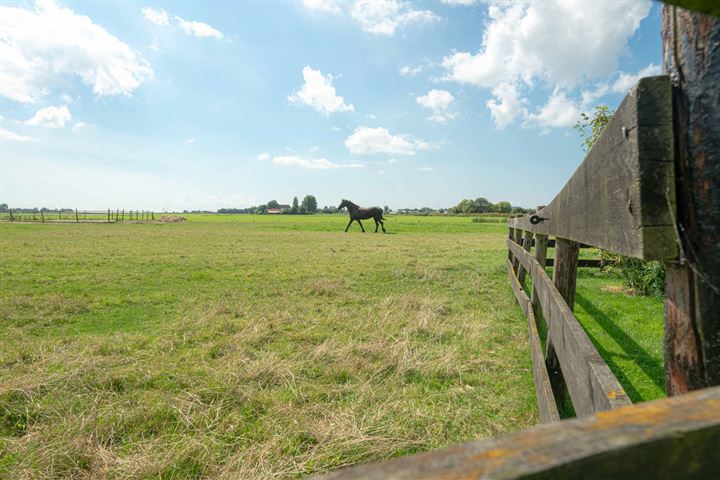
(207, 105)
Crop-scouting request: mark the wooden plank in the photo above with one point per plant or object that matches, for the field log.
(526, 241)
(665, 439)
(692, 300)
(581, 263)
(591, 384)
(621, 197)
(543, 390)
(518, 241)
(541, 244)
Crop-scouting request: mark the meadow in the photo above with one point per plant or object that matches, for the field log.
(247, 346)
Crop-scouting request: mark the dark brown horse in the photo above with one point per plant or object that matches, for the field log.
(357, 214)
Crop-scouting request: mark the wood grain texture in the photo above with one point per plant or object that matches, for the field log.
(541, 246)
(691, 47)
(526, 243)
(665, 439)
(591, 384)
(543, 390)
(622, 195)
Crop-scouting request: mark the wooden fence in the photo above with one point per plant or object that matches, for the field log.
(648, 189)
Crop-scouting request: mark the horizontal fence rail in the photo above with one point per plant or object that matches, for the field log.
(622, 197)
(664, 439)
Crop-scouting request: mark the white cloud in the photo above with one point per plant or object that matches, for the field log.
(51, 117)
(368, 141)
(507, 105)
(158, 17)
(464, 3)
(626, 80)
(40, 46)
(314, 148)
(559, 111)
(383, 17)
(198, 29)
(426, 169)
(189, 141)
(77, 126)
(439, 101)
(264, 156)
(531, 43)
(408, 71)
(330, 6)
(318, 92)
(311, 163)
(8, 136)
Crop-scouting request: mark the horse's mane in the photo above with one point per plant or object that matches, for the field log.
(351, 203)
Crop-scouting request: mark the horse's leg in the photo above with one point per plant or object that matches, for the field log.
(359, 223)
(376, 224)
(349, 223)
(383, 225)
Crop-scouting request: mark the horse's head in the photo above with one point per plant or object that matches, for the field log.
(344, 203)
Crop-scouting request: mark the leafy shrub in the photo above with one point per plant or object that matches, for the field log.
(643, 277)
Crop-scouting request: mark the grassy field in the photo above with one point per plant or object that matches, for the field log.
(271, 347)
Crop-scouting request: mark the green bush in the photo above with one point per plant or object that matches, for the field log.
(646, 278)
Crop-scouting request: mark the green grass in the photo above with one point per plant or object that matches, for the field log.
(243, 346)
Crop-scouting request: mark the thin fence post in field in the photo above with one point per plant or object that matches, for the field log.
(541, 242)
(692, 284)
(153, 215)
(122, 217)
(527, 243)
(564, 279)
(77, 220)
(108, 215)
(517, 239)
(34, 218)
(511, 236)
(12, 219)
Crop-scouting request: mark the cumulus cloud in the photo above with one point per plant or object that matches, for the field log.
(318, 92)
(559, 111)
(527, 44)
(380, 17)
(464, 3)
(51, 117)
(198, 29)
(330, 6)
(158, 17)
(627, 80)
(383, 17)
(40, 46)
(439, 102)
(264, 156)
(8, 136)
(311, 163)
(368, 141)
(408, 71)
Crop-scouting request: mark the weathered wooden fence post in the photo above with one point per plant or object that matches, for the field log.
(527, 244)
(541, 242)
(517, 239)
(564, 279)
(691, 50)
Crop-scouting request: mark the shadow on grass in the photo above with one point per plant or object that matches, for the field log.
(633, 351)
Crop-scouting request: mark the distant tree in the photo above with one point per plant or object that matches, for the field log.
(294, 209)
(503, 207)
(3, 207)
(273, 204)
(309, 204)
(386, 209)
(261, 209)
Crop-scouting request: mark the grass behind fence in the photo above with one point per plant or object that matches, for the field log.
(254, 346)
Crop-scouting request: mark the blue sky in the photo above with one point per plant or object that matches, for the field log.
(180, 105)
